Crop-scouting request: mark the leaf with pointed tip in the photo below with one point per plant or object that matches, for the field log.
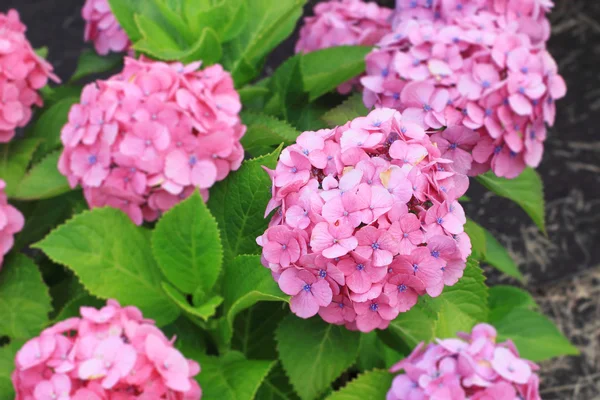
(369, 385)
(43, 180)
(8, 353)
(15, 157)
(203, 311)
(90, 63)
(504, 299)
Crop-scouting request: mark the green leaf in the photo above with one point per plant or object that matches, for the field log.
(478, 240)
(352, 107)
(91, 63)
(526, 190)
(314, 353)
(227, 17)
(41, 52)
(504, 299)
(276, 386)
(269, 22)
(49, 125)
(497, 256)
(245, 283)
(124, 11)
(286, 82)
(370, 385)
(203, 311)
(411, 328)
(536, 337)
(463, 305)
(265, 133)
(113, 259)
(7, 366)
(43, 180)
(187, 247)
(24, 298)
(324, 70)
(239, 203)
(15, 157)
(232, 377)
(370, 352)
(254, 330)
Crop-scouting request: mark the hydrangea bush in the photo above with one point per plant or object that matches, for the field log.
(146, 200)
(367, 220)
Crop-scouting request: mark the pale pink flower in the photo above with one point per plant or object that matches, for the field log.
(102, 28)
(308, 292)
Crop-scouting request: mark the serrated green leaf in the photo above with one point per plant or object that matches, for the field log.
(113, 259)
(411, 328)
(8, 353)
(536, 337)
(49, 125)
(370, 385)
(276, 386)
(269, 22)
(245, 283)
(187, 247)
(43, 180)
(254, 330)
(90, 63)
(124, 11)
(526, 190)
(232, 377)
(314, 353)
(24, 298)
(15, 157)
(497, 256)
(352, 107)
(504, 299)
(324, 70)
(203, 311)
(476, 234)
(238, 203)
(264, 133)
(226, 17)
(463, 305)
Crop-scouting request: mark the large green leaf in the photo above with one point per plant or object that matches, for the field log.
(227, 17)
(24, 298)
(314, 353)
(536, 337)
(265, 133)
(286, 83)
(15, 157)
(269, 22)
(324, 70)
(187, 246)
(504, 299)
(43, 180)
(232, 377)
(411, 328)
(204, 311)
(254, 327)
(125, 10)
(477, 235)
(370, 385)
(48, 126)
(245, 283)
(526, 190)
(90, 63)
(8, 353)
(113, 259)
(463, 305)
(239, 203)
(352, 107)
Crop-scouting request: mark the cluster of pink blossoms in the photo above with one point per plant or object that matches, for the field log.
(102, 28)
(22, 74)
(473, 367)
(344, 22)
(144, 139)
(107, 354)
(479, 64)
(11, 222)
(367, 219)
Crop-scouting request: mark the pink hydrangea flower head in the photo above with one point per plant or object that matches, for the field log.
(344, 23)
(365, 220)
(11, 222)
(104, 354)
(473, 366)
(144, 139)
(475, 75)
(22, 74)
(102, 28)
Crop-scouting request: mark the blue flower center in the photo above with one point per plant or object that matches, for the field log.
(322, 273)
(284, 246)
(488, 112)
(193, 160)
(415, 268)
(524, 70)
(405, 235)
(402, 288)
(375, 246)
(374, 307)
(497, 149)
(306, 288)
(486, 84)
(294, 170)
(453, 146)
(426, 107)
(376, 124)
(385, 72)
(396, 96)
(360, 267)
(92, 159)
(440, 221)
(435, 254)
